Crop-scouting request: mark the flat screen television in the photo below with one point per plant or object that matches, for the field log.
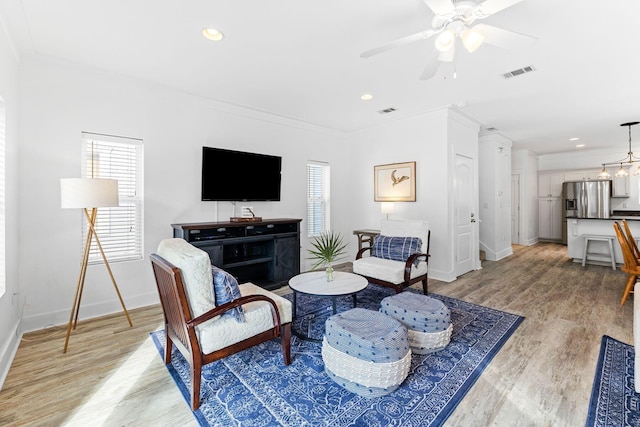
(229, 175)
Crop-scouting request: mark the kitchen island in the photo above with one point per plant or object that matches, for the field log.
(598, 251)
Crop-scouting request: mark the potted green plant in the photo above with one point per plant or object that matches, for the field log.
(327, 247)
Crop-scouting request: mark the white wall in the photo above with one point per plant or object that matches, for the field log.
(525, 163)
(59, 101)
(11, 300)
(494, 159)
(431, 140)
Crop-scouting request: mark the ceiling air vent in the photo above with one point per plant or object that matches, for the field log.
(519, 72)
(387, 110)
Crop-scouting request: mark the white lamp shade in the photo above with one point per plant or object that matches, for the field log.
(88, 192)
(386, 207)
(445, 40)
(471, 39)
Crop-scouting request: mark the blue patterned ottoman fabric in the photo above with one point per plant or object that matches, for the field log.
(366, 352)
(417, 312)
(367, 335)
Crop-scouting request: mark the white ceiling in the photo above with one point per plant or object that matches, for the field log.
(301, 59)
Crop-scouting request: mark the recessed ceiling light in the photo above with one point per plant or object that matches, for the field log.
(579, 145)
(574, 139)
(366, 97)
(212, 34)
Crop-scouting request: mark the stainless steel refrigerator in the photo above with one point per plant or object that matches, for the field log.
(585, 199)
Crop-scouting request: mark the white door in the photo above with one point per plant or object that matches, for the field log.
(515, 209)
(465, 217)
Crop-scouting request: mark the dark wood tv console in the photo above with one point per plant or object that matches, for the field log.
(266, 253)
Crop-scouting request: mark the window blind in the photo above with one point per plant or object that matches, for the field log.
(118, 228)
(317, 198)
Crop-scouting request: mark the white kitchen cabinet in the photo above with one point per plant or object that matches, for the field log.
(575, 176)
(550, 184)
(593, 173)
(621, 185)
(550, 219)
(581, 175)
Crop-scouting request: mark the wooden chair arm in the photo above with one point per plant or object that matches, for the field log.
(221, 309)
(410, 261)
(362, 251)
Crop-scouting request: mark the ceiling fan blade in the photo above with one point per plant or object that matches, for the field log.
(402, 41)
(504, 38)
(440, 7)
(489, 7)
(432, 66)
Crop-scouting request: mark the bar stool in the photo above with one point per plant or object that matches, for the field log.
(598, 238)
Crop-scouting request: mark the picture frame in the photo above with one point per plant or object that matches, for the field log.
(395, 182)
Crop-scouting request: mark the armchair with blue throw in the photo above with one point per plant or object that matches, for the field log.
(209, 316)
(399, 255)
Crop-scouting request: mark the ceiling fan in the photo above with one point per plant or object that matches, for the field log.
(453, 19)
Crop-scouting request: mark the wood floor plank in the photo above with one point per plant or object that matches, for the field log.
(113, 375)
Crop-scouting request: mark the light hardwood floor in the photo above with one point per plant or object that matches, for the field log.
(112, 374)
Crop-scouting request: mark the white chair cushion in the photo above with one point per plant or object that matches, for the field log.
(224, 331)
(406, 228)
(195, 268)
(386, 269)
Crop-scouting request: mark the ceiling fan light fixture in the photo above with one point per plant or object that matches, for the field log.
(445, 40)
(471, 39)
(212, 34)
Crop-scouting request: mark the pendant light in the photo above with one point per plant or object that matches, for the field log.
(629, 159)
(604, 174)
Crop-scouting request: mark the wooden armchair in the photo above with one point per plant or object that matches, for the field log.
(389, 264)
(631, 264)
(210, 336)
(630, 239)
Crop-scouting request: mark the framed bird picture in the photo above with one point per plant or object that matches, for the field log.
(395, 182)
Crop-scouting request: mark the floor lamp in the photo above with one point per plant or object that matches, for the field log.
(89, 194)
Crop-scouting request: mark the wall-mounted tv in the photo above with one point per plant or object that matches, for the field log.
(229, 175)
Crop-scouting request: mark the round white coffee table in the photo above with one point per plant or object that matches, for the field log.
(315, 283)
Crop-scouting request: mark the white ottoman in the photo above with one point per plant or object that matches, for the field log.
(427, 319)
(366, 352)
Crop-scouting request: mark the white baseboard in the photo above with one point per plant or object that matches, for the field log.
(504, 253)
(442, 276)
(8, 352)
(61, 317)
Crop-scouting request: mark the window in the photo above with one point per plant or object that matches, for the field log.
(119, 228)
(317, 198)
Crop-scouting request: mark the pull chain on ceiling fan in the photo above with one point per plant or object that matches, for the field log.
(454, 20)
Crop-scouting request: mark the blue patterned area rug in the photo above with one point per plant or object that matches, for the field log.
(614, 401)
(255, 388)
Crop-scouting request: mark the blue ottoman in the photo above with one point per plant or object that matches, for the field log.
(366, 352)
(427, 319)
